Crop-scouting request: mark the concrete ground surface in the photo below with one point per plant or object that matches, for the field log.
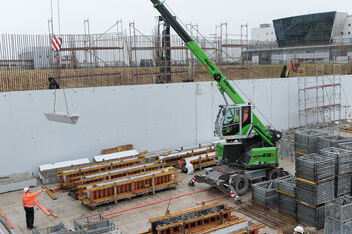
(133, 221)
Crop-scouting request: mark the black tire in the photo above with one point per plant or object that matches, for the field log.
(241, 185)
(273, 174)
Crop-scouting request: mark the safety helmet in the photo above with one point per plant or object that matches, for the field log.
(299, 229)
(26, 189)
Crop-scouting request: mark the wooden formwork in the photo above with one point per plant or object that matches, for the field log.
(173, 158)
(200, 220)
(199, 161)
(81, 184)
(69, 176)
(128, 187)
(117, 149)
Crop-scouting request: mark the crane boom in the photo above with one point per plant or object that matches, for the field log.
(222, 83)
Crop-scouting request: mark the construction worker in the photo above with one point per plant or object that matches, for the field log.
(28, 202)
(299, 230)
(189, 167)
(53, 84)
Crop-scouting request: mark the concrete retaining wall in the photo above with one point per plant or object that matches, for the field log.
(149, 116)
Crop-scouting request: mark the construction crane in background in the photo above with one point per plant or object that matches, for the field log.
(249, 152)
(292, 67)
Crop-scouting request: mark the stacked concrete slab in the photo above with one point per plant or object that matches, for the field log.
(16, 182)
(338, 216)
(314, 187)
(265, 194)
(343, 169)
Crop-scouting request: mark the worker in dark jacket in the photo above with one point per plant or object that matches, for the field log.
(53, 84)
(28, 202)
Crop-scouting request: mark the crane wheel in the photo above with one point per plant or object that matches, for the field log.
(241, 185)
(273, 174)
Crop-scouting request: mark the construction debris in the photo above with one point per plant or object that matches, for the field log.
(204, 219)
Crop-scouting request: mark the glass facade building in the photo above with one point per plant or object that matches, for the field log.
(313, 29)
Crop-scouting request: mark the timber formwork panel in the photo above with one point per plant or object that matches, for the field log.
(68, 177)
(200, 161)
(81, 183)
(214, 217)
(173, 158)
(128, 187)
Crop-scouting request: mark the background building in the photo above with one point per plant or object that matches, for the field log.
(314, 38)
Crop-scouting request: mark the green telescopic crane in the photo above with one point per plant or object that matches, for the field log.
(222, 83)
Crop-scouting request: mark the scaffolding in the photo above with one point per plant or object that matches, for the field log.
(320, 98)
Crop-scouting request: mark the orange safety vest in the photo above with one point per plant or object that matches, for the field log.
(28, 199)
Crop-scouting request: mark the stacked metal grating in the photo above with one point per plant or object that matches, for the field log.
(343, 168)
(338, 216)
(311, 215)
(57, 229)
(94, 224)
(345, 145)
(306, 141)
(314, 187)
(327, 141)
(286, 188)
(265, 194)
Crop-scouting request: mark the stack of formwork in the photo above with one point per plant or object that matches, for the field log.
(338, 216)
(343, 169)
(286, 188)
(306, 141)
(327, 141)
(129, 186)
(205, 153)
(314, 187)
(265, 194)
(67, 177)
(214, 218)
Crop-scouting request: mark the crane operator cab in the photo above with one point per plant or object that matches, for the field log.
(234, 122)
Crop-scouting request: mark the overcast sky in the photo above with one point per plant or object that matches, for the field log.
(31, 16)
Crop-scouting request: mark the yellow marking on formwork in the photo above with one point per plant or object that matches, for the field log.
(307, 181)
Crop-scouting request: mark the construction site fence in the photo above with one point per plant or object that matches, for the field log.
(112, 59)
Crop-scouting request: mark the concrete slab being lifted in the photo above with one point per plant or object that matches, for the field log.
(62, 117)
(16, 182)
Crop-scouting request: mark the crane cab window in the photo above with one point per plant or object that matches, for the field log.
(231, 121)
